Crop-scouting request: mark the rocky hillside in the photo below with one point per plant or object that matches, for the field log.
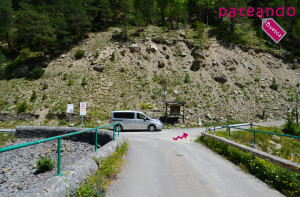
(113, 75)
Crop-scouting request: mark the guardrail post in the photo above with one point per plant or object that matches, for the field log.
(214, 129)
(114, 133)
(96, 140)
(206, 126)
(59, 158)
(254, 145)
(251, 125)
(229, 136)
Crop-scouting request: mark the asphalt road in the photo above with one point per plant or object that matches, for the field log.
(157, 165)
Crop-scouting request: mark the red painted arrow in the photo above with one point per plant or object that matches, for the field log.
(184, 136)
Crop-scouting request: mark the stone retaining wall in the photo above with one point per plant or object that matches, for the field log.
(295, 167)
(73, 175)
(104, 136)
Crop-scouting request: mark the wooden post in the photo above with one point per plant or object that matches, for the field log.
(183, 113)
(166, 116)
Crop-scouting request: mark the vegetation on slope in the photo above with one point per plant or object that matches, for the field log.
(109, 166)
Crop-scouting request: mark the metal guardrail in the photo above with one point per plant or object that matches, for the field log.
(59, 142)
(12, 131)
(216, 127)
(265, 132)
(237, 126)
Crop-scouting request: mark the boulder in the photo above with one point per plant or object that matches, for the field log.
(197, 64)
(208, 116)
(197, 53)
(134, 48)
(221, 79)
(182, 34)
(153, 48)
(278, 146)
(123, 53)
(275, 137)
(99, 68)
(214, 63)
(232, 68)
(161, 64)
(239, 85)
(183, 54)
(175, 92)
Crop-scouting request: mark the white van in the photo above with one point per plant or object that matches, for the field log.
(135, 120)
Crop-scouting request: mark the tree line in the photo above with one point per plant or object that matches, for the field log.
(52, 26)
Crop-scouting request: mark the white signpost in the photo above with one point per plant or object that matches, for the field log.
(82, 110)
(70, 110)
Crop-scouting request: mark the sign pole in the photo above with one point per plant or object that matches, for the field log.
(70, 110)
(81, 119)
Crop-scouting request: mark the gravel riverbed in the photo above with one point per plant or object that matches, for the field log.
(18, 170)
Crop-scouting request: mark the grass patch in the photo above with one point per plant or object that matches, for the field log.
(283, 180)
(109, 166)
(290, 148)
(6, 137)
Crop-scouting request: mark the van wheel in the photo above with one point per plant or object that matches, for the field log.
(151, 128)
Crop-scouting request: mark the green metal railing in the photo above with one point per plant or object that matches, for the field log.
(253, 130)
(211, 124)
(257, 131)
(59, 142)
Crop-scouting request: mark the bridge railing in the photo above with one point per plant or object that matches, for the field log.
(115, 126)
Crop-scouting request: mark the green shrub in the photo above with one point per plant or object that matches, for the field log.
(84, 82)
(44, 164)
(65, 77)
(2, 57)
(274, 85)
(16, 62)
(257, 79)
(298, 85)
(291, 127)
(113, 57)
(145, 106)
(79, 54)
(45, 86)
(33, 96)
(122, 94)
(96, 54)
(187, 78)
(283, 180)
(44, 97)
(71, 82)
(36, 73)
(22, 107)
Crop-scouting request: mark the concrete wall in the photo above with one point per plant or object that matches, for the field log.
(295, 167)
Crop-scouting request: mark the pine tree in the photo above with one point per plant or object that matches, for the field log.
(126, 9)
(34, 28)
(6, 20)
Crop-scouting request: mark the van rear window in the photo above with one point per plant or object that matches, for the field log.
(125, 115)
